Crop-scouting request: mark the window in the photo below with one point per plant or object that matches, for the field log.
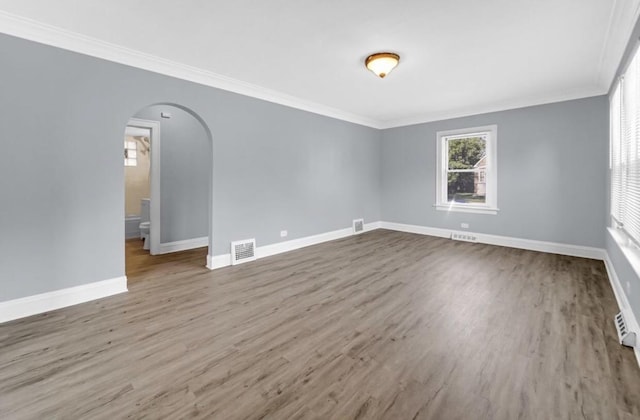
(467, 170)
(625, 151)
(130, 153)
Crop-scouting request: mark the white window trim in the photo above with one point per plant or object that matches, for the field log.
(491, 176)
(130, 161)
(627, 243)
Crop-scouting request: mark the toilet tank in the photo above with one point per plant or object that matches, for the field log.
(145, 215)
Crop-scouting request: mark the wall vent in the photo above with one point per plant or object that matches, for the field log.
(626, 337)
(243, 251)
(358, 226)
(463, 236)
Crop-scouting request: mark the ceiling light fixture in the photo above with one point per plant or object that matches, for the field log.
(382, 63)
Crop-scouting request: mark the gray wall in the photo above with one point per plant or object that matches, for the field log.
(625, 272)
(551, 173)
(62, 117)
(185, 174)
(132, 227)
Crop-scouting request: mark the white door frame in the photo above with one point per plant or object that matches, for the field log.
(154, 179)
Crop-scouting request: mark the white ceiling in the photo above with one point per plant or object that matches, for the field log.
(458, 57)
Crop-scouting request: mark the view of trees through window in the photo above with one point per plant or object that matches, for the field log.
(466, 169)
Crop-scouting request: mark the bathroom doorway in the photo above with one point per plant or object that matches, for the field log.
(140, 135)
(173, 208)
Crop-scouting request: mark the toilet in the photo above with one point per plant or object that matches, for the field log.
(145, 223)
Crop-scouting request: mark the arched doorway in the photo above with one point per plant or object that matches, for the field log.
(169, 210)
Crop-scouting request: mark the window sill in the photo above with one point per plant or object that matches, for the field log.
(628, 248)
(466, 209)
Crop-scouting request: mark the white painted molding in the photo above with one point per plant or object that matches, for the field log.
(281, 247)
(623, 304)
(33, 30)
(543, 246)
(490, 135)
(42, 33)
(371, 226)
(529, 244)
(503, 106)
(168, 247)
(619, 30)
(422, 230)
(219, 261)
(45, 302)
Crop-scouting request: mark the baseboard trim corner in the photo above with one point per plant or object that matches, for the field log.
(218, 261)
(507, 241)
(57, 299)
(168, 247)
(224, 260)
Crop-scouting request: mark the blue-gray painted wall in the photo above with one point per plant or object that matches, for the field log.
(552, 171)
(185, 161)
(62, 119)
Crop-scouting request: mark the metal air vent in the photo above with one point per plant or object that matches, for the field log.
(626, 337)
(463, 236)
(243, 251)
(358, 226)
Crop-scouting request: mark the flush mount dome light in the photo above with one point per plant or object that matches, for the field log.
(381, 64)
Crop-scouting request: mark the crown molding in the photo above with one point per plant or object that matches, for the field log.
(43, 33)
(485, 109)
(622, 21)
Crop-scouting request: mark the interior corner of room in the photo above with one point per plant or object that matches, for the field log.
(123, 167)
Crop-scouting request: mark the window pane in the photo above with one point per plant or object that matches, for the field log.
(467, 153)
(466, 187)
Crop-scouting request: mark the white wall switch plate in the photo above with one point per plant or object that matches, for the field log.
(464, 225)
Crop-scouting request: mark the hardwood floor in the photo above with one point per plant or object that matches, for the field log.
(384, 325)
(141, 265)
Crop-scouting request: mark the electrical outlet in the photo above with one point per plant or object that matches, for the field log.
(283, 233)
(464, 225)
(628, 287)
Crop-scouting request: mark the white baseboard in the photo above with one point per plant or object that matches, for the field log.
(176, 246)
(219, 261)
(623, 304)
(286, 246)
(529, 244)
(45, 302)
(422, 230)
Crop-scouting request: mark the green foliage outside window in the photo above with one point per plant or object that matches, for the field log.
(464, 154)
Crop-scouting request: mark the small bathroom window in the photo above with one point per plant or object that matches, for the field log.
(130, 153)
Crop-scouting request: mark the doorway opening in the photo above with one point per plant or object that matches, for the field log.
(168, 181)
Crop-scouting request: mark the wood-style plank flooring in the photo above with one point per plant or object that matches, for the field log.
(383, 325)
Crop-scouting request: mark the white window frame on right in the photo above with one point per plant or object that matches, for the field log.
(490, 134)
